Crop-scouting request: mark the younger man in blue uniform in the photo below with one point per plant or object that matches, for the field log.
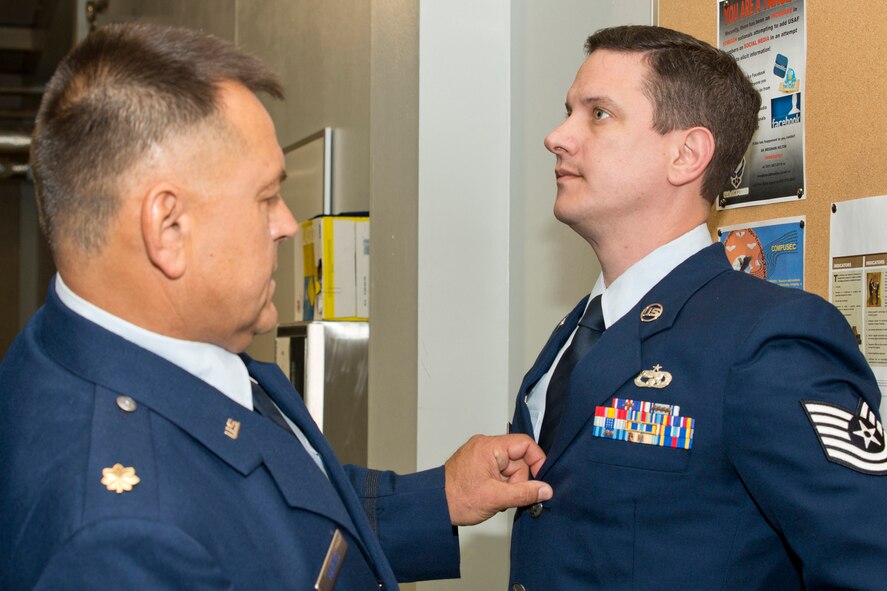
(704, 429)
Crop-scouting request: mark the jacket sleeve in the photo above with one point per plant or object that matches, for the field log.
(132, 554)
(409, 514)
(830, 515)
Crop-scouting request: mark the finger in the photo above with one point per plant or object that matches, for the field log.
(516, 472)
(520, 450)
(527, 450)
(537, 465)
(521, 446)
(522, 494)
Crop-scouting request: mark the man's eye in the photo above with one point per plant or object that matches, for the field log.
(599, 114)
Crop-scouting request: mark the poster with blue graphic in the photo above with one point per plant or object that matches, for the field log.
(772, 250)
(768, 40)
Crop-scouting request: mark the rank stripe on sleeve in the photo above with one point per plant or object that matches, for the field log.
(852, 440)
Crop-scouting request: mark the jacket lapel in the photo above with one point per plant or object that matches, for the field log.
(290, 402)
(194, 406)
(521, 422)
(617, 356)
(613, 359)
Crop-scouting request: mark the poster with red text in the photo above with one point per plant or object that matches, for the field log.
(768, 40)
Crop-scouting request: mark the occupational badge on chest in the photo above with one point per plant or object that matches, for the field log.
(653, 378)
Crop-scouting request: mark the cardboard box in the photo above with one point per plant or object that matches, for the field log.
(309, 280)
(362, 265)
(334, 289)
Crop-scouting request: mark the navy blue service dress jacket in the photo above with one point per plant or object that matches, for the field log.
(224, 499)
(780, 488)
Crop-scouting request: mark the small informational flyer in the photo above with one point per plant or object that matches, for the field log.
(768, 40)
(772, 250)
(858, 255)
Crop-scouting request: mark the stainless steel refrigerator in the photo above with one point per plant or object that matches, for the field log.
(327, 363)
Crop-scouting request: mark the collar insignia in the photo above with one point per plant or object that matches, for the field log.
(232, 428)
(651, 313)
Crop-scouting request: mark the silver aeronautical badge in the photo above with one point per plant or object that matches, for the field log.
(736, 175)
(653, 378)
(852, 440)
(651, 313)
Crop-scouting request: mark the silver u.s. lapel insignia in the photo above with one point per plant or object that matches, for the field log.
(651, 313)
(653, 378)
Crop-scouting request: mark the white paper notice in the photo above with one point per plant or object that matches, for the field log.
(858, 254)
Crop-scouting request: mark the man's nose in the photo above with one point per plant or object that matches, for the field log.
(285, 225)
(558, 142)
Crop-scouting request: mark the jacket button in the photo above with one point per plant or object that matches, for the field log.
(518, 587)
(534, 511)
(126, 404)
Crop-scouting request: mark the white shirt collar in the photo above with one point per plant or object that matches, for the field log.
(219, 368)
(628, 289)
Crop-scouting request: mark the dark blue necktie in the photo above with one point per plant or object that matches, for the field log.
(263, 405)
(590, 328)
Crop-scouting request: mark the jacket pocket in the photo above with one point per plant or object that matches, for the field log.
(637, 455)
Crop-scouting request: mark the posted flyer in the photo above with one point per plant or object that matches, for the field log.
(772, 250)
(768, 40)
(858, 255)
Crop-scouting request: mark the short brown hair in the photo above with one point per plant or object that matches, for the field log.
(123, 89)
(692, 84)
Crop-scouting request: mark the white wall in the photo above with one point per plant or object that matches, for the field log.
(495, 270)
(464, 136)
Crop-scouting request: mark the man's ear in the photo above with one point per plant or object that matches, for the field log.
(166, 229)
(693, 150)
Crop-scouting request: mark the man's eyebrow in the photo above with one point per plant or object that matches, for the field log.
(594, 100)
(278, 181)
(601, 101)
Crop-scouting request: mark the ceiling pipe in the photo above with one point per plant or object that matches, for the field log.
(14, 142)
(10, 169)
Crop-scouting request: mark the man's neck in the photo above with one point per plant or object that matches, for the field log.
(620, 246)
(219, 368)
(127, 296)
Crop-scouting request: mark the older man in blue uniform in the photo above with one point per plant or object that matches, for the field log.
(140, 448)
(704, 429)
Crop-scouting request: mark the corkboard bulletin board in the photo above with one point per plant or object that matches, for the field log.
(846, 110)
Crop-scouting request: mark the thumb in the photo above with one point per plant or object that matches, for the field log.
(521, 494)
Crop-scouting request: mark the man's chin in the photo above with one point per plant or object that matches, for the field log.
(563, 214)
(571, 209)
(267, 321)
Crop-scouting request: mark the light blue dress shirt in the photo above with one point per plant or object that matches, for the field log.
(623, 295)
(216, 366)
